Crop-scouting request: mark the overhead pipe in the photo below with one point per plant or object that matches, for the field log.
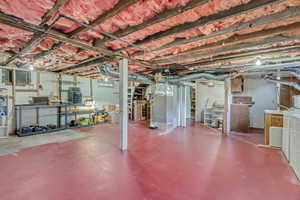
(106, 69)
(199, 76)
(295, 74)
(291, 84)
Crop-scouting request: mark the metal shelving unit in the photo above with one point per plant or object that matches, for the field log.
(130, 102)
(4, 113)
(62, 117)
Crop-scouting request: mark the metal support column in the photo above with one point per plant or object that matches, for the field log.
(184, 106)
(228, 102)
(179, 99)
(182, 114)
(123, 100)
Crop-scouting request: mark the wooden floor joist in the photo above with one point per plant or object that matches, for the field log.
(235, 11)
(234, 41)
(228, 57)
(156, 19)
(38, 37)
(110, 13)
(292, 12)
(50, 13)
(121, 5)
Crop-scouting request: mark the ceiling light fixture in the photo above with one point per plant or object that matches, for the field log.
(258, 62)
(31, 67)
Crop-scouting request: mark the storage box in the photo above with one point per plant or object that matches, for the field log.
(109, 108)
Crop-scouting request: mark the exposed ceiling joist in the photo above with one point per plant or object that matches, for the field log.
(235, 11)
(29, 45)
(234, 40)
(38, 37)
(93, 61)
(83, 64)
(21, 24)
(291, 12)
(237, 55)
(121, 5)
(48, 15)
(158, 18)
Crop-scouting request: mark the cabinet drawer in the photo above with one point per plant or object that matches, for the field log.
(277, 121)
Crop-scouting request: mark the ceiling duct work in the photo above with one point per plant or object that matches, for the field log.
(199, 76)
(106, 69)
(291, 84)
(295, 74)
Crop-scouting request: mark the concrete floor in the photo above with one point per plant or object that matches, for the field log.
(186, 164)
(14, 144)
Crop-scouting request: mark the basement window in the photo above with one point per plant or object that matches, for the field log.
(23, 78)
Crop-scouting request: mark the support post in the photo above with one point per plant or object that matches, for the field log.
(123, 101)
(179, 99)
(13, 90)
(184, 105)
(227, 108)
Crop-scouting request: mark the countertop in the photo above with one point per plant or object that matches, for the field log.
(276, 112)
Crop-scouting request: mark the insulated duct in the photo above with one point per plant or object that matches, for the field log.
(106, 70)
(295, 74)
(201, 75)
(291, 84)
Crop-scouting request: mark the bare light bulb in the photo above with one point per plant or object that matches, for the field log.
(258, 62)
(31, 67)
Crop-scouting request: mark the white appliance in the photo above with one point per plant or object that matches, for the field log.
(296, 100)
(295, 143)
(286, 135)
(291, 138)
(276, 136)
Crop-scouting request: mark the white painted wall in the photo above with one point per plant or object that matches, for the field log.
(105, 95)
(49, 82)
(264, 95)
(208, 94)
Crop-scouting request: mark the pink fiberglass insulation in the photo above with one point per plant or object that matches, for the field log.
(212, 7)
(134, 68)
(134, 15)
(205, 30)
(83, 11)
(44, 45)
(12, 38)
(68, 49)
(81, 56)
(191, 48)
(272, 45)
(30, 10)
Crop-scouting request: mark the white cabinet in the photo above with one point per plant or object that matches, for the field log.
(286, 135)
(291, 139)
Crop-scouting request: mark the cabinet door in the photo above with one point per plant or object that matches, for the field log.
(285, 138)
(295, 151)
(286, 121)
(277, 121)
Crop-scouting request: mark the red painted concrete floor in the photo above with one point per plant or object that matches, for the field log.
(255, 138)
(188, 164)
